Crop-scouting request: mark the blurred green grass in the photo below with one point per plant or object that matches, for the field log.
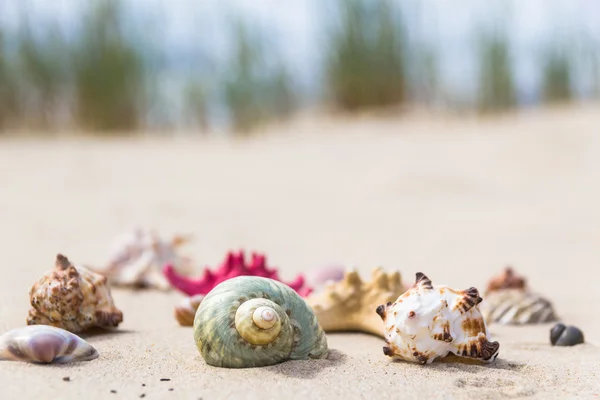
(101, 81)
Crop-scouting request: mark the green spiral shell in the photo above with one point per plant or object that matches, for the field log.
(250, 321)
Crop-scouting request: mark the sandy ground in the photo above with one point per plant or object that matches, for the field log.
(455, 199)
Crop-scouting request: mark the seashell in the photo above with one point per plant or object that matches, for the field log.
(321, 276)
(510, 302)
(429, 322)
(73, 298)
(517, 307)
(561, 335)
(186, 311)
(251, 321)
(44, 344)
(234, 265)
(347, 305)
(137, 258)
(506, 280)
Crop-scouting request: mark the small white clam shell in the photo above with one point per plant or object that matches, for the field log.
(44, 344)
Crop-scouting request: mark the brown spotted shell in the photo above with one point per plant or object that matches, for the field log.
(72, 298)
(428, 322)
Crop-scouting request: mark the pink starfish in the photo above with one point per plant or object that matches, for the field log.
(234, 265)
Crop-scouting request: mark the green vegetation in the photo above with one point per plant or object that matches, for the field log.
(8, 90)
(195, 100)
(109, 73)
(556, 85)
(254, 93)
(43, 67)
(496, 86)
(365, 68)
(104, 78)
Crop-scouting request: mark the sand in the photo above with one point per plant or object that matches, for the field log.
(455, 199)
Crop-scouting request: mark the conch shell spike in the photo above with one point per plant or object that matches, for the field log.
(62, 262)
(423, 282)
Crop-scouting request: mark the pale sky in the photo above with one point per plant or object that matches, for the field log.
(296, 28)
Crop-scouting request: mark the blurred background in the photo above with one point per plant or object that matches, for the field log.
(231, 67)
(447, 137)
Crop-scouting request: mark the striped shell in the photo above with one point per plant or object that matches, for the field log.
(516, 307)
(429, 322)
(250, 321)
(44, 344)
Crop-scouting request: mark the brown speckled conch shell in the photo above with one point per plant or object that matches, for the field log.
(508, 301)
(72, 298)
(348, 305)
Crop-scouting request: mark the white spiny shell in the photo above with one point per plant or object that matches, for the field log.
(44, 344)
(428, 322)
(137, 258)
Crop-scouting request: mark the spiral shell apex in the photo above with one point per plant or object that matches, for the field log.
(252, 321)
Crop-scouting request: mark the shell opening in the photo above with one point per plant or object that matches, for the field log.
(264, 317)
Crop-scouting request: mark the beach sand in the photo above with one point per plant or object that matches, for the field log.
(455, 199)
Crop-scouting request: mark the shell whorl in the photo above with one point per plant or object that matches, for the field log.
(258, 321)
(251, 321)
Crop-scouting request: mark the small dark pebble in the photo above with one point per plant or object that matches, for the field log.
(66, 379)
(113, 391)
(143, 384)
(142, 395)
(171, 389)
(164, 379)
(561, 335)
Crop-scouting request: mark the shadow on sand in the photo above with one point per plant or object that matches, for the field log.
(308, 369)
(452, 362)
(99, 334)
